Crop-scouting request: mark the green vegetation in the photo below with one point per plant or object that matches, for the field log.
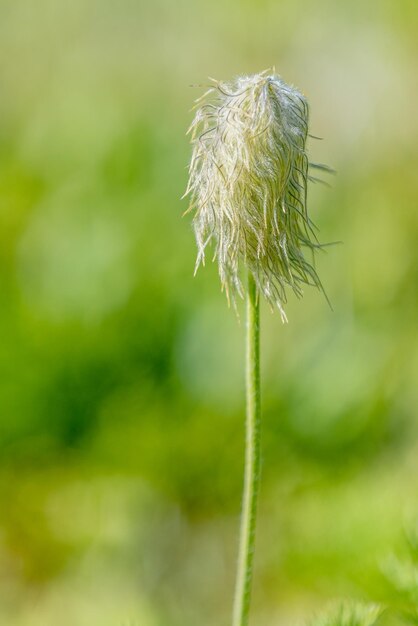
(121, 387)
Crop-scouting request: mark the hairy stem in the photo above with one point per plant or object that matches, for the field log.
(252, 460)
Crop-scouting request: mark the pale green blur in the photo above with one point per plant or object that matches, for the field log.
(121, 381)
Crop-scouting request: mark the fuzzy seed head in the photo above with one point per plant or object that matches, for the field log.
(248, 185)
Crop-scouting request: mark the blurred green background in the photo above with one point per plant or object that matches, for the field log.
(121, 382)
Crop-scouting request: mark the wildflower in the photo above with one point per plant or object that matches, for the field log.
(248, 185)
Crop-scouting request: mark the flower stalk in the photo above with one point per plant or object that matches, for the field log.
(252, 460)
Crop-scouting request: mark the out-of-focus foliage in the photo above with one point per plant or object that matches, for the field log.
(401, 574)
(121, 387)
(349, 614)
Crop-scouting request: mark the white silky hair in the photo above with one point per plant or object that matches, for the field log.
(248, 185)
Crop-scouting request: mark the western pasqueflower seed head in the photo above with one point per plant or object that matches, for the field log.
(248, 185)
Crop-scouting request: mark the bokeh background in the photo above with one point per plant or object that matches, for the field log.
(121, 379)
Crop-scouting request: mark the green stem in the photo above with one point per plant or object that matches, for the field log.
(252, 461)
